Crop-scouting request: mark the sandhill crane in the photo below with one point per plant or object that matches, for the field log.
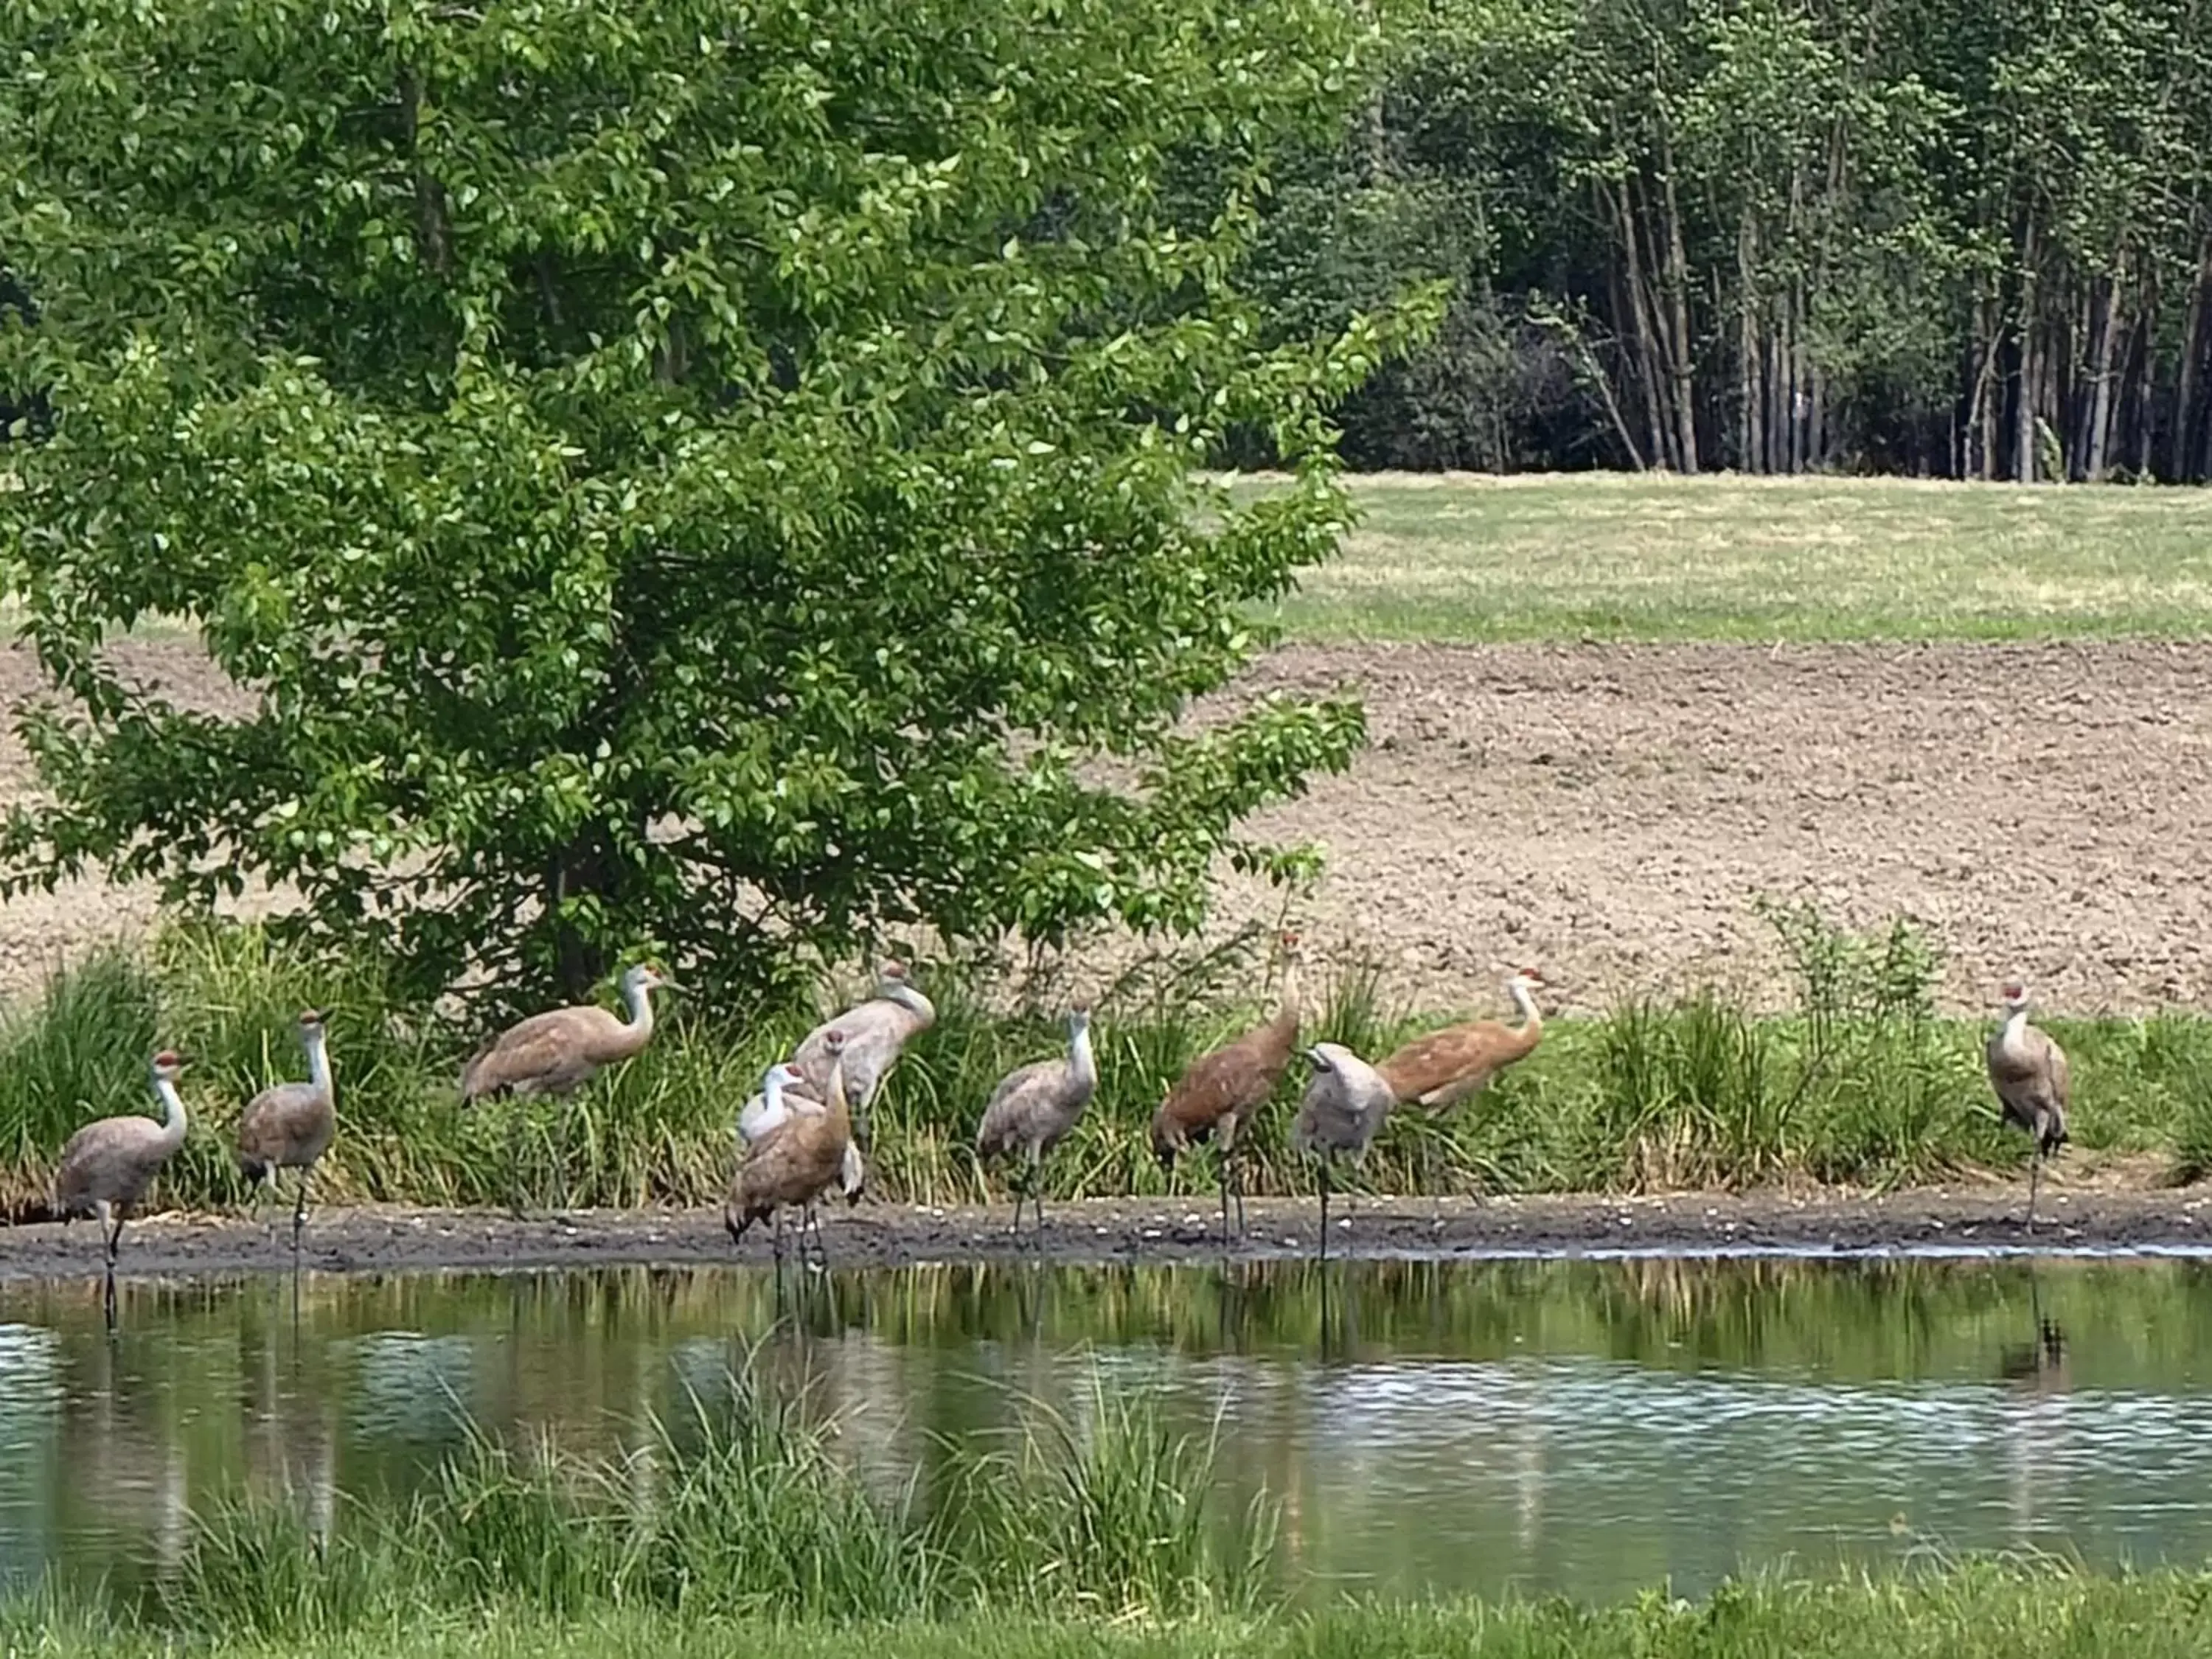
(795, 1160)
(1345, 1104)
(1219, 1091)
(876, 1033)
(107, 1165)
(2028, 1071)
(558, 1051)
(784, 1092)
(1035, 1106)
(1446, 1066)
(290, 1125)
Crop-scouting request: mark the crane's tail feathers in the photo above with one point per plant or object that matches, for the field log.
(253, 1169)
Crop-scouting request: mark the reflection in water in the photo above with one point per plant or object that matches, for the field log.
(1583, 1426)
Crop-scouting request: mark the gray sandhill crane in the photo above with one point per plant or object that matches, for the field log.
(1446, 1066)
(784, 1093)
(2028, 1071)
(290, 1126)
(876, 1033)
(1035, 1106)
(1345, 1104)
(107, 1165)
(558, 1051)
(1219, 1092)
(794, 1161)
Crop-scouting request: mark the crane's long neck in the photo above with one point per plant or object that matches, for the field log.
(172, 1114)
(318, 1062)
(2012, 1038)
(923, 1011)
(1530, 1019)
(640, 1016)
(1080, 1058)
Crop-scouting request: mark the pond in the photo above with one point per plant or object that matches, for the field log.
(1584, 1426)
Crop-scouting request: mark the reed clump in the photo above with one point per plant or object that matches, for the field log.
(741, 1509)
(1860, 1081)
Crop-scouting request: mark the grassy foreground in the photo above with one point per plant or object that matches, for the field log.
(1861, 1083)
(1654, 556)
(1971, 1613)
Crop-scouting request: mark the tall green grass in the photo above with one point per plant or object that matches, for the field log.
(1860, 1082)
(742, 1510)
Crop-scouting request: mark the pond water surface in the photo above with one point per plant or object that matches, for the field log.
(1583, 1426)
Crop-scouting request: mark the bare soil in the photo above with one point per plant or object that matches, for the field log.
(1969, 1218)
(1605, 812)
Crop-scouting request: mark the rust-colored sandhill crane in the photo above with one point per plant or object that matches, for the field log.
(876, 1033)
(2028, 1071)
(1219, 1092)
(558, 1052)
(290, 1126)
(1034, 1107)
(784, 1093)
(107, 1165)
(1446, 1066)
(794, 1161)
(1345, 1104)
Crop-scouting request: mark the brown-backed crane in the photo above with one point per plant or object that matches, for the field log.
(794, 1160)
(107, 1166)
(1220, 1092)
(2028, 1071)
(1446, 1066)
(289, 1125)
(558, 1052)
(785, 1094)
(876, 1033)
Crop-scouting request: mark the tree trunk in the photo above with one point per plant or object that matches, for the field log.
(1752, 438)
(1638, 322)
(2181, 458)
(2105, 325)
(1677, 288)
(2023, 441)
(587, 868)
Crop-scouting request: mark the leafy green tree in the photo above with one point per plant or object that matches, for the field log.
(705, 476)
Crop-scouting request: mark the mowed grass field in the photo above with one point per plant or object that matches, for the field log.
(1443, 557)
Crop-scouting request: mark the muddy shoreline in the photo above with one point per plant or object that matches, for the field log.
(1963, 1219)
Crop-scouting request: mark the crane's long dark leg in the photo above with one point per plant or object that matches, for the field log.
(1225, 1197)
(1236, 1173)
(300, 1213)
(2034, 1170)
(1036, 1193)
(111, 1239)
(515, 1157)
(1324, 1210)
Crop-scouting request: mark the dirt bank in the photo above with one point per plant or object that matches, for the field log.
(1973, 1218)
(1606, 812)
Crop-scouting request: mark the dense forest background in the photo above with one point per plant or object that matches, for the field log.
(1958, 238)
